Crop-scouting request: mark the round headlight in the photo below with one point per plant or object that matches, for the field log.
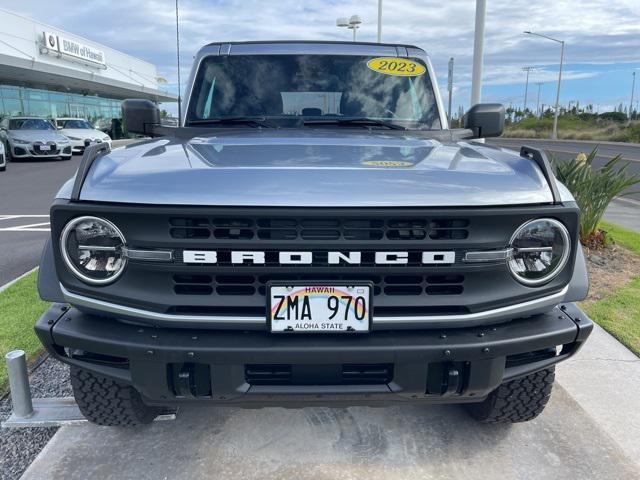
(92, 248)
(540, 251)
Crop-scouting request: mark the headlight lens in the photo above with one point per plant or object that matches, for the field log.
(540, 250)
(21, 141)
(92, 249)
(72, 138)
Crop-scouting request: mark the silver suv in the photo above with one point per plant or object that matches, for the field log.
(313, 233)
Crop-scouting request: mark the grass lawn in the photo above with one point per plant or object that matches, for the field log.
(619, 313)
(20, 307)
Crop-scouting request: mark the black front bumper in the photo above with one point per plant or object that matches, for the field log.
(169, 365)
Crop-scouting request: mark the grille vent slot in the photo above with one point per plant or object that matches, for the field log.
(247, 228)
(453, 229)
(242, 284)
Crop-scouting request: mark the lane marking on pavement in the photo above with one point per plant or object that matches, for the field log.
(29, 227)
(34, 227)
(630, 201)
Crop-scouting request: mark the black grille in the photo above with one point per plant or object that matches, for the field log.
(231, 284)
(241, 228)
(332, 374)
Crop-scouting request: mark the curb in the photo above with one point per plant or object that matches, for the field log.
(11, 282)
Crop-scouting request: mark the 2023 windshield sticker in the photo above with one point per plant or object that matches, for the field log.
(402, 67)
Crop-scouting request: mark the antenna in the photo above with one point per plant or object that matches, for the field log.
(178, 57)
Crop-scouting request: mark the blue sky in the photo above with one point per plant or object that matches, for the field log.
(603, 37)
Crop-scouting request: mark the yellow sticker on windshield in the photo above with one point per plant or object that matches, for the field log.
(396, 66)
(387, 163)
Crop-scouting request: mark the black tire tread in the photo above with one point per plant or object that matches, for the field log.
(518, 400)
(108, 402)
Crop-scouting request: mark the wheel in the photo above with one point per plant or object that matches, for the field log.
(108, 402)
(519, 400)
(2, 169)
(7, 152)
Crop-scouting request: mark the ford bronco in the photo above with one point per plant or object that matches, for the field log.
(312, 233)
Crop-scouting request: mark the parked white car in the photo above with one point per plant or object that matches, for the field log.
(3, 158)
(80, 133)
(33, 137)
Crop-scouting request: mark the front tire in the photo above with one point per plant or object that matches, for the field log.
(104, 401)
(518, 400)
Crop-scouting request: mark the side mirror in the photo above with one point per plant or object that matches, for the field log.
(139, 116)
(485, 119)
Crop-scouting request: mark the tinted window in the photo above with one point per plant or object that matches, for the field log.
(30, 124)
(76, 124)
(310, 86)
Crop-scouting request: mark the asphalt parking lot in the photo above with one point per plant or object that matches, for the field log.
(27, 189)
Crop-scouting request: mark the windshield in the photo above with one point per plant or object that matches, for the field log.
(83, 124)
(318, 87)
(30, 124)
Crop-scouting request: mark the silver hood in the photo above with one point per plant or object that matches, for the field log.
(314, 168)
(37, 135)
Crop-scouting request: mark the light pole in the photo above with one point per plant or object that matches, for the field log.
(352, 23)
(633, 91)
(554, 133)
(379, 21)
(526, 87)
(450, 89)
(538, 103)
(478, 52)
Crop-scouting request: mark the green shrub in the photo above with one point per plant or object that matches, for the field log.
(593, 188)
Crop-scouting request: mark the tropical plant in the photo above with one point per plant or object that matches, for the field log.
(594, 189)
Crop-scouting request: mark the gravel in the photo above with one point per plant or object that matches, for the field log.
(19, 446)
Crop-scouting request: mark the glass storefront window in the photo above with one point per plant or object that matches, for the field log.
(11, 106)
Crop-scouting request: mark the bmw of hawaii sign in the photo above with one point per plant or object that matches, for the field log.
(58, 45)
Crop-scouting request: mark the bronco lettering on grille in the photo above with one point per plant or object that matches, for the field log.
(307, 258)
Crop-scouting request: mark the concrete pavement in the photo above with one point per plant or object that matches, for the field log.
(592, 438)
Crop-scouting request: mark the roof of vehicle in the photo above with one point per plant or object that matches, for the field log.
(317, 42)
(26, 117)
(71, 118)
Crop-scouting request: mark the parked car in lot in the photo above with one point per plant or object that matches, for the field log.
(313, 233)
(3, 158)
(80, 133)
(33, 137)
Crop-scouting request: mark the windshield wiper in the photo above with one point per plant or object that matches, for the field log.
(355, 121)
(261, 121)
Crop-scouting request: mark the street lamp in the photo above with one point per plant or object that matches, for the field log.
(554, 134)
(352, 23)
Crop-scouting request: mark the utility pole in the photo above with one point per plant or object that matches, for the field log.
(178, 57)
(554, 133)
(379, 21)
(538, 113)
(633, 88)
(526, 87)
(478, 52)
(450, 89)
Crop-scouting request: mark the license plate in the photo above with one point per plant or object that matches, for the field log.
(320, 308)
(45, 148)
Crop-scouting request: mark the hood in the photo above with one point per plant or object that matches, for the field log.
(314, 168)
(83, 133)
(37, 135)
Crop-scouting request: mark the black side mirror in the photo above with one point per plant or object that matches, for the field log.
(485, 119)
(140, 116)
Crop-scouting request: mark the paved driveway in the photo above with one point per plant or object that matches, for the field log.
(400, 443)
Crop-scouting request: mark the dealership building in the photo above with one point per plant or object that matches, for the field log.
(51, 73)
